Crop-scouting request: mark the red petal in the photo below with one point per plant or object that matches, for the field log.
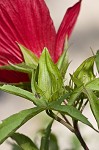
(66, 27)
(29, 23)
(9, 76)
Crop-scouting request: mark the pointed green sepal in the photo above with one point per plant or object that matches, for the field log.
(29, 57)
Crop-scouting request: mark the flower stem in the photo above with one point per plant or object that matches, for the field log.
(78, 135)
(54, 116)
(74, 128)
(66, 119)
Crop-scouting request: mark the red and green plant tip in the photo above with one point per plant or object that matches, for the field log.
(29, 23)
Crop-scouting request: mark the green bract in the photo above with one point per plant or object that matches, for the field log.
(63, 62)
(29, 58)
(97, 60)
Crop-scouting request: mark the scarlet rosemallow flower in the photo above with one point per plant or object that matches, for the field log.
(29, 23)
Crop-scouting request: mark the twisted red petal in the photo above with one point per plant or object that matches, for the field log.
(27, 22)
(66, 28)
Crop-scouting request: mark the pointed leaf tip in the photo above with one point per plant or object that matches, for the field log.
(18, 119)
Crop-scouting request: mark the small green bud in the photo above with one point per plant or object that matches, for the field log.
(85, 71)
(48, 78)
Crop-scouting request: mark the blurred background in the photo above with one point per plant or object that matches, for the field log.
(84, 37)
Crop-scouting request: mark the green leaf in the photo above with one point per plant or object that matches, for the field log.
(97, 60)
(24, 142)
(93, 85)
(15, 146)
(94, 103)
(75, 144)
(53, 142)
(22, 93)
(85, 71)
(72, 112)
(63, 63)
(75, 94)
(14, 122)
(49, 78)
(29, 58)
(46, 137)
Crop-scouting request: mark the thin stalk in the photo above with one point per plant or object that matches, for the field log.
(74, 128)
(54, 116)
(65, 118)
(80, 104)
(79, 136)
(84, 105)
